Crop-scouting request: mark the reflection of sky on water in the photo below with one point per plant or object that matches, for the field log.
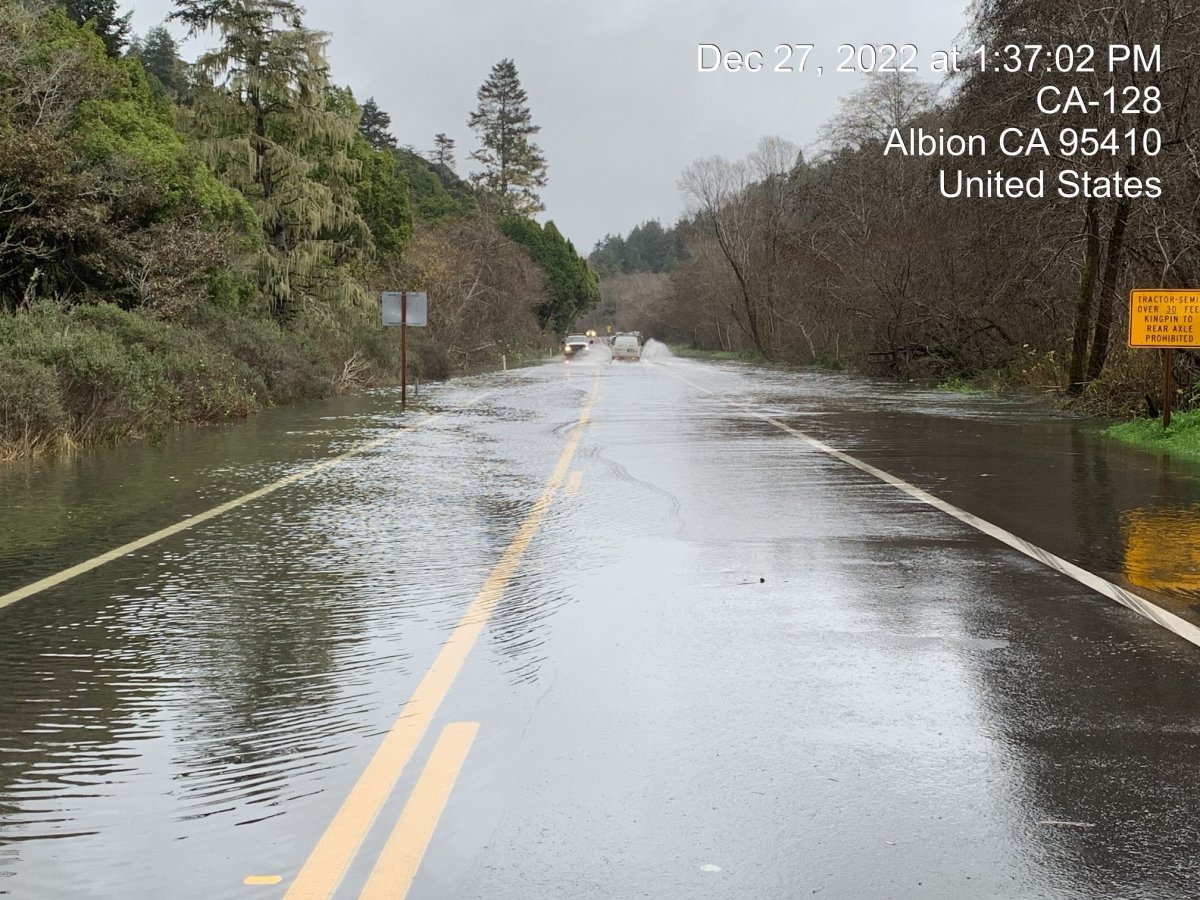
(220, 684)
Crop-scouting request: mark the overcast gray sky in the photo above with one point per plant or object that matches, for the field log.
(613, 85)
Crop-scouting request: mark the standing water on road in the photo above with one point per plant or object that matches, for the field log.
(193, 713)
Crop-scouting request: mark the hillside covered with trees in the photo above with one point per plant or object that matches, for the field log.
(189, 242)
(853, 257)
(635, 279)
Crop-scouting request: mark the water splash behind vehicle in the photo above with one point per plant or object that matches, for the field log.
(655, 350)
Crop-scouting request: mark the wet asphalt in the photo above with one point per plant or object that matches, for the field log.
(725, 666)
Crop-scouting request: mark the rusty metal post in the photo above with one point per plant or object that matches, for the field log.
(404, 350)
(1168, 355)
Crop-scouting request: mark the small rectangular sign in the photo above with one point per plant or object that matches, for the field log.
(417, 306)
(1164, 318)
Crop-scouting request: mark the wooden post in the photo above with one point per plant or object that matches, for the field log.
(404, 349)
(1168, 355)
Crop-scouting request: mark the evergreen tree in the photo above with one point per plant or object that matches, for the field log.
(263, 116)
(383, 198)
(436, 193)
(159, 53)
(374, 125)
(513, 166)
(91, 166)
(649, 248)
(574, 287)
(112, 29)
(443, 151)
(608, 256)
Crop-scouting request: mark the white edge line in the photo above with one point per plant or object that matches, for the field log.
(1139, 605)
(95, 562)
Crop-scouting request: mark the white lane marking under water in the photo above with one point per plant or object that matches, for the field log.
(95, 562)
(1128, 599)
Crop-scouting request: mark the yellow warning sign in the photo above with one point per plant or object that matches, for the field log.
(1164, 318)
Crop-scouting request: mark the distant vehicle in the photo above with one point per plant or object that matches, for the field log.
(626, 346)
(575, 343)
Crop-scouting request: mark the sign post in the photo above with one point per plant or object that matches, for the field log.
(1168, 358)
(403, 350)
(405, 308)
(1165, 320)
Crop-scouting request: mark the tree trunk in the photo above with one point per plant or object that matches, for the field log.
(1083, 303)
(747, 298)
(1108, 282)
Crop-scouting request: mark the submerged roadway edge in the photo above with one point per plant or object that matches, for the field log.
(1140, 605)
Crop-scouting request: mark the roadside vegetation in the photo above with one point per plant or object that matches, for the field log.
(190, 242)
(689, 352)
(1181, 438)
(851, 258)
(958, 386)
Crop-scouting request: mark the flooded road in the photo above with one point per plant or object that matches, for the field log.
(602, 630)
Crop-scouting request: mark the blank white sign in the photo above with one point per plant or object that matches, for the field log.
(417, 307)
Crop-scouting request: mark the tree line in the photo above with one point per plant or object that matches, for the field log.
(647, 248)
(851, 256)
(185, 242)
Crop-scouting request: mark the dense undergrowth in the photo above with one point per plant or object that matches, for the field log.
(177, 248)
(75, 374)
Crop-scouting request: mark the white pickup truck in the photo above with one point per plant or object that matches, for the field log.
(575, 343)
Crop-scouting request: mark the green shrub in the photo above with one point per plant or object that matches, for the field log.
(126, 327)
(31, 411)
(99, 373)
(109, 388)
(209, 384)
(287, 366)
(354, 332)
(958, 385)
(429, 361)
(228, 292)
(124, 373)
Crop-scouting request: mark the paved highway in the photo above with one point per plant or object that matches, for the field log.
(605, 630)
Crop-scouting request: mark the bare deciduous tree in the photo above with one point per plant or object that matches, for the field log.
(745, 207)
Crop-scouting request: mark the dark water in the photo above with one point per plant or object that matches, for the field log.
(165, 715)
(214, 675)
(1130, 515)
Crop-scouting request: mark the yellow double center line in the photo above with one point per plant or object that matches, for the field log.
(327, 864)
(401, 857)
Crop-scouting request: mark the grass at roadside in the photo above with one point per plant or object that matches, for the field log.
(738, 355)
(959, 386)
(1182, 439)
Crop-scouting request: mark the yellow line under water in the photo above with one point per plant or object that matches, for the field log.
(125, 549)
(325, 867)
(573, 483)
(401, 857)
